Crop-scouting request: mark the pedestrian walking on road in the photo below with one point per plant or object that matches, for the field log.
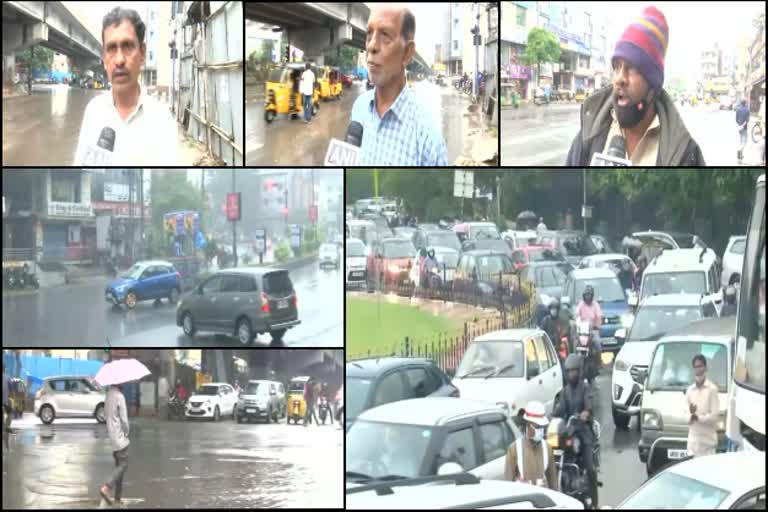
(306, 88)
(703, 409)
(310, 395)
(116, 414)
(742, 120)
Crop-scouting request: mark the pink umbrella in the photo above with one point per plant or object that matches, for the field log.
(120, 371)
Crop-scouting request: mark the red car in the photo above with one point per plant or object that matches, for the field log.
(346, 80)
(389, 262)
(525, 255)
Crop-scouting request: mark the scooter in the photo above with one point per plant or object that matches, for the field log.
(29, 278)
(176, 408)
(585, 349)
(573, 479)
(323, 409)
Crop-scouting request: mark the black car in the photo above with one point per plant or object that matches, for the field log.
(574, 245)
(372, 382)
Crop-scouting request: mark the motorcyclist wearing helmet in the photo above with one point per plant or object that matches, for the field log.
(589, 309)
(576, 399)
(729, 308)
(556, 328)
(430, 263)
(530, 459)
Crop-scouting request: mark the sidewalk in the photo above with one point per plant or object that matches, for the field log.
(481, 141)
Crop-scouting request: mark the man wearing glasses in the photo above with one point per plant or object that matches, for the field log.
(126, 127)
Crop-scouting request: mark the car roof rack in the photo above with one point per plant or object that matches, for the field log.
(384, 487)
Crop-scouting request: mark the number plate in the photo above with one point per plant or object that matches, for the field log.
(251, 411)
(282, 304)
(676, 454)
(355, 274)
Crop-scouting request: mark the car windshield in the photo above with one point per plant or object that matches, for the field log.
(674, 282)
(380, 449)
(738, 246)
(553, 275)
(671, 366)
(135, 271)
(356, 395)
(255, 388)
(208, 390)
(449, 259)
(670, 490)
(493, 264)
(577, 245)
(544, 254)
(296, 387)
(652, 322)
(483, 231)
(399, 249)
(484, 358)
(275, 75)
(444, 239)
(607, 289)
(355, 249)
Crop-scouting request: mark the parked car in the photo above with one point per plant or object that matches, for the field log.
(145, 280)
(261, 399)
(608, 293)
(724, 481)
(509, 368)
(733, 259)
(535, 253)
(573, 245)
(664, 424)
(377, 381)
(355, 267)
(455, 491)
(241, 302)
(389, 262)
(69, 396)
(484, 273)
(212, 400)
(328, 255)
(655, 316)
(428, 436)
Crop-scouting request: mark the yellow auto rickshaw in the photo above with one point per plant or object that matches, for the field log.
(17, 397)
(297, 406)
(329, 79)
(581, 95)
(282, 94)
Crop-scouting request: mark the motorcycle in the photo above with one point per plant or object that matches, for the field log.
(585, 349)
(176, 408)
(29, 278)
(323, 409)
(573, 479)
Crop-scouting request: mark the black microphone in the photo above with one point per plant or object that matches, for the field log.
(615, 157)
(345, 153)
(101, 154)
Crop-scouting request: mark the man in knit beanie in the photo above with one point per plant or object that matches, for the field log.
(636, 107)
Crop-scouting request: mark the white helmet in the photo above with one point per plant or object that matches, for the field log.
(536, 413)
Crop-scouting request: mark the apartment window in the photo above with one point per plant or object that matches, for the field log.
(455, 44)
(520, 15)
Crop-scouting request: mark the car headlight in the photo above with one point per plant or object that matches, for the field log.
(627, 319)
(621, 365)
(651, 420)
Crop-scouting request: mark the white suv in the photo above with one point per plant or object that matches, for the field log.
(656, 316)
(684, 271)
(355, 263)
(212, 400)
(733, 260)
(261, 399)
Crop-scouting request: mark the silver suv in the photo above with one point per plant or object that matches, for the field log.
(261, 399)
(69, 397)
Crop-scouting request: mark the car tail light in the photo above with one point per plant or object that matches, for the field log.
(264, 303)
(295, 300)
(569, 442)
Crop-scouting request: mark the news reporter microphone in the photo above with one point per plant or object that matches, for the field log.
(345, 153)
(615, 156)
(100, 155)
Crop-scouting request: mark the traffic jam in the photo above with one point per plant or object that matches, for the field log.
(601, 344)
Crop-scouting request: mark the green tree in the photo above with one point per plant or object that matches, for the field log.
(543, 46)
(36, 58)
(344, 58)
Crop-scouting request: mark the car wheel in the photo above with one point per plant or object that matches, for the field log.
(234, 412)
(620, 420)
(277, 335)
(216, 414)
(275, 418)
(269, 116)
(47, 414)
(100, 416)
(187, 324)
(173, 296)
(244, 332)
(131, 299)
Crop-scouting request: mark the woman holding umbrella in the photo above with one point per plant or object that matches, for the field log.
(115, 374)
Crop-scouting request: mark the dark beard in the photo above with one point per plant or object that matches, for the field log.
(629, 116)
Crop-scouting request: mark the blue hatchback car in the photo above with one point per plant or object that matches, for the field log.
(610, 296)
(145, 280)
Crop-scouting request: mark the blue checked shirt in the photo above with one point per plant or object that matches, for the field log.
(403, 136)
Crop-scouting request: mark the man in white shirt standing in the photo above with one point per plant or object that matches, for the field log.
(140, 130)
(306, 88)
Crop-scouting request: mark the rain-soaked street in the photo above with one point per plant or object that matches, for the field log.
(200, 464)
(56, 316)
(293, 142)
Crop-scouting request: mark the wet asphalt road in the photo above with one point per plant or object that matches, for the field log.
(193, 464)
(77, 314)
(542, 135)
(292, 142)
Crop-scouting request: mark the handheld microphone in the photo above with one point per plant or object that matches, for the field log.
(100, 155)
(615, 157)
(345, 153)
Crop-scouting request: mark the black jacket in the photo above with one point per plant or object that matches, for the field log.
(676, 147)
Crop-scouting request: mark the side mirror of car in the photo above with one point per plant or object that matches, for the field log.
(620, 334)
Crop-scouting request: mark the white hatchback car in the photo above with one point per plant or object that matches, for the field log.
(509, 368)
(328, 255)
(734, 480)
(428, 436)
(212, 400)
(733, 260)
(69, 396)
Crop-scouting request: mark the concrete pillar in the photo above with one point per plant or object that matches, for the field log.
(9, 70)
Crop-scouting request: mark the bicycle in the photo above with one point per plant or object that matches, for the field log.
(758, 131)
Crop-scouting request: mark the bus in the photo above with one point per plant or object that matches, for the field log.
(745, 421)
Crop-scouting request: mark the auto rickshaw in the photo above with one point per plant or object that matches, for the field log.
(17, 397)
(581, 95)
(329, 79)
(282, 94)
(297, 406)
